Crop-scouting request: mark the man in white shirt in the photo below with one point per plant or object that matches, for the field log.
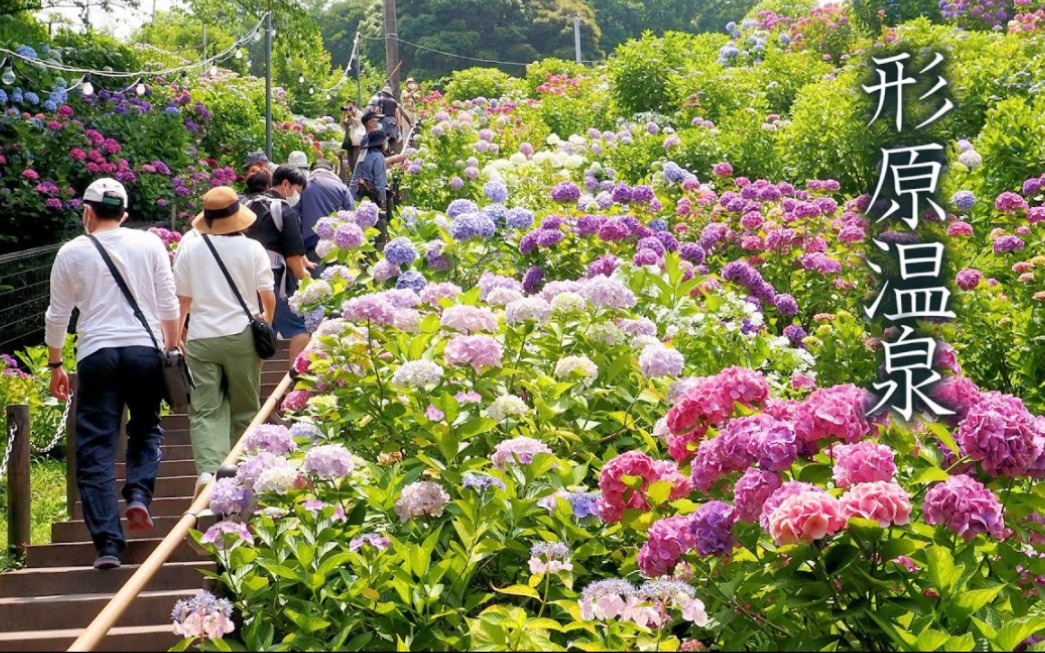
(117, 363)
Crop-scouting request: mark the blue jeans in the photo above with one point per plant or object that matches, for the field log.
(285, 321)
(109, 380)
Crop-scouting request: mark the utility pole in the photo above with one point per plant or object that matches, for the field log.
(204, 42)
(268, 85)
(577, 36)
(358, 66)
(391, 47)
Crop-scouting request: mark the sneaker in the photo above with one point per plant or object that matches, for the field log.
(107, 562)
(138, 518)
(201, 483)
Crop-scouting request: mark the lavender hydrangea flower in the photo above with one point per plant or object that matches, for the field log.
(469, 226)
(411, 280)
(481, 482)
(229, 497)
(566, 191)
(519, 218)
(495, 190)
(366, 215)
(329, 461)
(460, 207)
(270, 438)
(400, 251)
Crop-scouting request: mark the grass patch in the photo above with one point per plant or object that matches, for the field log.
(47, 483)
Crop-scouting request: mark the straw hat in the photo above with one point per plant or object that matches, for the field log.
(226, 215)
(387, 90)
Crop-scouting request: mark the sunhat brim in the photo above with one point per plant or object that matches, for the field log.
(238, 221)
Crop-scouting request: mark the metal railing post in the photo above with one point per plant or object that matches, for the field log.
(18, 493)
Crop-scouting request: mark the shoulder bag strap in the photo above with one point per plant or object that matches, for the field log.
(228, 277)
(126, 291)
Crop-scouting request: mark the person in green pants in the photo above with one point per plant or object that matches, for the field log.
(219, 342)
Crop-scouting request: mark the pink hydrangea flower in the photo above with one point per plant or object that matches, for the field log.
(480, 352)
(806, 517)
(296, 400)
(863, 462)
(517, 450)
(469, 319)
(751, 492)
(882, 501)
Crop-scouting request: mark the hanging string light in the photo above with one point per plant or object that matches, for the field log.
(88, 87)
(8, 76)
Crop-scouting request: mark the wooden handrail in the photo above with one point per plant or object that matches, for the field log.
(109, 615)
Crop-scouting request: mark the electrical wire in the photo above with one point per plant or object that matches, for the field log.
(221, 56)
(448, 54)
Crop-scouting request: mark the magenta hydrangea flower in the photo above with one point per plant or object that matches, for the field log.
(723, 169)
(863, 462)
(836, 412)
(617, 496)
(566, 191)
(968, 278)
(1001, 434)
(751, 492)
(668, 540)
(1009, 202)
(712, 528)
(479, 352)
(965, 507)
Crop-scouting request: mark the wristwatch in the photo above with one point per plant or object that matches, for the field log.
(55, 366)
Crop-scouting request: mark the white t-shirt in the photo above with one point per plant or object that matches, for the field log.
(215, 310)
(81, 278)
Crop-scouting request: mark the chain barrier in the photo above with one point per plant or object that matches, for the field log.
(10, 445)
(59, 433)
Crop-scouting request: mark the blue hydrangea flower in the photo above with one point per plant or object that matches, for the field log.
(659, 224)
(16, 96)
(400, 251)
(481, 482)
(32, 98)
(460, 207)
(49, 105)
(172, 111)
(472, 225)
(496, 212)
(26, 51)
(520, 218)
(411, 280)
(496, 190)
(3, 96)
(964, 199)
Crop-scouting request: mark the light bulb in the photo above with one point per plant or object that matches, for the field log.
(301, 79)
(311, 90)
(213, 71)
(88, 88)
(257, 36)
(273, 34)
(8, 76)
(140, 89)
(249, 63)
(239, 54)
(328, 96)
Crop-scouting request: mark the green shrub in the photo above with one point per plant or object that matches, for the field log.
(792, 8)
(537, 72)
(480, 82)
(828, 136)
(721, 91)
(642, 72)
(95, 51)
(1012, 145)
(782, 76)
(873, 15)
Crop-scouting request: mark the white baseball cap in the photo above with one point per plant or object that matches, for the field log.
(106, 191)
(297, 159)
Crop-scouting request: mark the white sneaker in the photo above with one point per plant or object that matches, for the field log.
(201, 483)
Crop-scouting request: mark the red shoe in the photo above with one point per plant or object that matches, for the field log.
(138, 517)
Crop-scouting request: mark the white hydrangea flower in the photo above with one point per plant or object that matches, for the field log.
(506, 406)
(572, 365)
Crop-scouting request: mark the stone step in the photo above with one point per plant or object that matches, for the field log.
(273, 377)
(78, 610)
(49, 581)
(134, 638)
(176, 451)
(160, 507)
(76, 530)
(175, 422)
(82, 554)
(168, 467)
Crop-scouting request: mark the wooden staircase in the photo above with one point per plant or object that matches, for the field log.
(46, 605)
